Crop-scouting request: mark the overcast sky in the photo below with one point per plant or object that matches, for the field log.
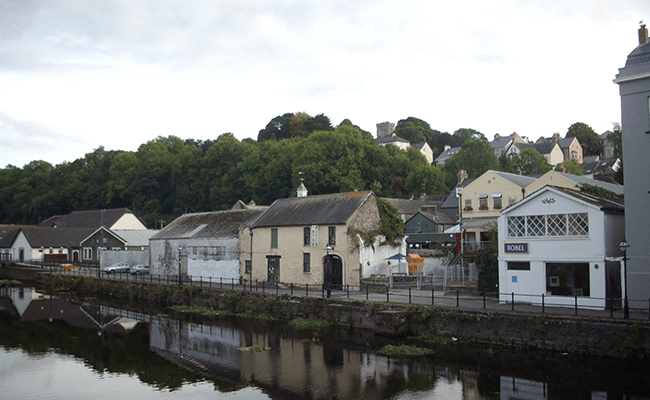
(76, 75)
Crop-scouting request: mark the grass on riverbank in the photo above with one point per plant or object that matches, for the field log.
(10, 282)
(404, 350)
(208, 311)
(437, 339)
(310, 324)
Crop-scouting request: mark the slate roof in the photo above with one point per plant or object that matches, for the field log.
(419, 146)
(544, 147)
(391, 139)
(501, 142)
(440, 218)
(55, 237)
(606, 166)
(87, 219)
(605, 203)
(639, 57)
(452, 200)
(335, 209)
(519, 180)
(444, 156)
(7, 235)
(614, 187)
(566, 142)
(135, 237)
(412, 206)
(209, 224)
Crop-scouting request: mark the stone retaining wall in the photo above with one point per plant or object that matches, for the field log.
(570, 334)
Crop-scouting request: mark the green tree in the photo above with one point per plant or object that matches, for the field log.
(414, 130)
(392, 226)
(475, 156)
(441, 139)
(487, 264)
(531, 162)
(570, 167)
(507, 164)
(426, 179)
(616, 137)
(277, 129)
(464, 135)
(587, 137)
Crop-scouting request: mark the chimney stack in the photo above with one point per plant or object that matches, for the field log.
(462, 175)
(643, 34)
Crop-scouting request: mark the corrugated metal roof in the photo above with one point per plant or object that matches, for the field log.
(333, 209)
(209, 224)
(135, 237)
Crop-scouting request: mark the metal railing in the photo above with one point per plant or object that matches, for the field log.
(531, 303)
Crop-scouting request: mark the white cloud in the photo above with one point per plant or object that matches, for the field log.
(119, 73)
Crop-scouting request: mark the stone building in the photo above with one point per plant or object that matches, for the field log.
(314, 240)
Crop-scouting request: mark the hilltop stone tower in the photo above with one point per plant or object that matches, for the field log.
(385, 129)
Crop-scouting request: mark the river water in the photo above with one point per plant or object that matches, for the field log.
(58, 349)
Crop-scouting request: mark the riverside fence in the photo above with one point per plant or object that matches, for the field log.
(534, 303)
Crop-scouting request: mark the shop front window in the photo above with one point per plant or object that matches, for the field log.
(567, 279)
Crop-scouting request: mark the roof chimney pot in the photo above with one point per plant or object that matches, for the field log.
(643, 34)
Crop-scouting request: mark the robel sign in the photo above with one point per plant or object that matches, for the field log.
(516, 247)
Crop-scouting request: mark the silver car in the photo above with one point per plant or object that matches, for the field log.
(139, 270)
(117, 267)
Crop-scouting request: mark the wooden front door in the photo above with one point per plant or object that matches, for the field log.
(333, 272)
(273, 264)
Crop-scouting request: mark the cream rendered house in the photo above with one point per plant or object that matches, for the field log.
(481, 202)
(313, 239)
(425, 150)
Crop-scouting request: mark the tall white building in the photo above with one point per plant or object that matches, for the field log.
(634, 86)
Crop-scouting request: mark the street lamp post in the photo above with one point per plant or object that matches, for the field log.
(180, 262)
(626, 305)
(328, 271)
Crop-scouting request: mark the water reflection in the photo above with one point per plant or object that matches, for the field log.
(170, 353)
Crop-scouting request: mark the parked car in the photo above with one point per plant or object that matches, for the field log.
(139, 270)
(117, 267)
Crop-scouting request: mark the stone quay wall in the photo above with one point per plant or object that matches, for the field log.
(566, 334)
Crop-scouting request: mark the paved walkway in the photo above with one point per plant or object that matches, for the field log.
(403, 296)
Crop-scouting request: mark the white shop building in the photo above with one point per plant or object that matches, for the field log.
(563, 244)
